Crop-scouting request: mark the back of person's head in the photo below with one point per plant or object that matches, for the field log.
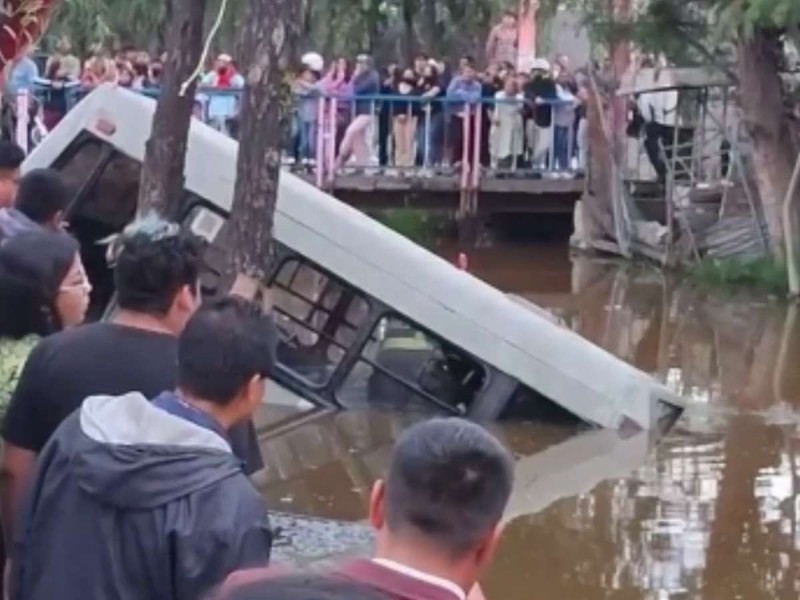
(43, 197)
(157, 269)
(226, 351)
(300, 587)
(33, 266)
(447, 486)
(11, 156)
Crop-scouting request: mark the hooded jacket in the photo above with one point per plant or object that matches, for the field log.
(13, 222)
(130, 502)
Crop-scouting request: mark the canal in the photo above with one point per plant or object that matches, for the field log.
(709, 511)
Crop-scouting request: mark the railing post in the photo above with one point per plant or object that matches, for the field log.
(426, 137)
(319, 167)
(332, 142)
(465, 123)
(551, 153)
(476, 147)
(23, 119)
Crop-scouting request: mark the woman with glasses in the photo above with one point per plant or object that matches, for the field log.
(43, 289)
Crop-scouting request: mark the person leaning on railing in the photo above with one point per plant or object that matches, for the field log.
(307, 92)
(366, 83)
(540, 93)
(463, 91)
(430, 129)
(507, 131)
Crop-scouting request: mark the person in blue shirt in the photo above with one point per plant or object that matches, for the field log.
(463, 95)
(23, 76)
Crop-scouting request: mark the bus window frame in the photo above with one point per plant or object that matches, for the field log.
(290, 256)
(107, 154)
(389, 312)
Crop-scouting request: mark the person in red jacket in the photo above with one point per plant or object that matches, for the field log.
(437, 515)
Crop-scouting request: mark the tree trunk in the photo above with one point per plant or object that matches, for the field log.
(372, 17)
(768, 124)
(266, 37)
(430, 28)
(161, 186)
(409, 38)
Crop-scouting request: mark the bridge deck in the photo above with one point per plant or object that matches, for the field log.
(441, 193)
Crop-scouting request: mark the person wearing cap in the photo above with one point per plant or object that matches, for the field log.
(224, 76)
(366, 82)
(313, 61)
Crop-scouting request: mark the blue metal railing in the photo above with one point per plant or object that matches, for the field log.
(405, 135)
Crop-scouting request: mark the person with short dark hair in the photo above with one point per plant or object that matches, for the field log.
(156, 270)
(437, 515)
(151, 489)
(41, 200)
(420, 62)
(464, 95)
(438, 512)
(11, 159)
(300, 587)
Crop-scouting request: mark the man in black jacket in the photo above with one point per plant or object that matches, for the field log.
(143, 499)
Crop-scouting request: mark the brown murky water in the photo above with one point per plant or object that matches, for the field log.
(710, 511)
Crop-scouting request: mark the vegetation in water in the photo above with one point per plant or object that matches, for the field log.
(763, 274)
(416, 225)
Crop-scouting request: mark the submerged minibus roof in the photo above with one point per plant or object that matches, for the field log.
(584, 379)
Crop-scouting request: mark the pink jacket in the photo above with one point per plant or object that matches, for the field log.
(336, 86)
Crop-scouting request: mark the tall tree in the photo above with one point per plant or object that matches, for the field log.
(267, 34)
(162, 181)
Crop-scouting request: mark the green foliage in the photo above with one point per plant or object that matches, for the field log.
(763, 274)
(751, 14)
(416, 225)
(333, 27)
(87, 22)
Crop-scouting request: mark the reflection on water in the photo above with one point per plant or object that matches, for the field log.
(710, 511)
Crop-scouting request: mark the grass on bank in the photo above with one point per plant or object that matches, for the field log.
(416, 225)
(761, 274)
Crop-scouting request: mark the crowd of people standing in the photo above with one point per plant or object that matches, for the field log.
(424, 115)
(398, 117)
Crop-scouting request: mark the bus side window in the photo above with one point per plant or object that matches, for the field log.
(527, 404)
(318, 317)
(404, 367)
